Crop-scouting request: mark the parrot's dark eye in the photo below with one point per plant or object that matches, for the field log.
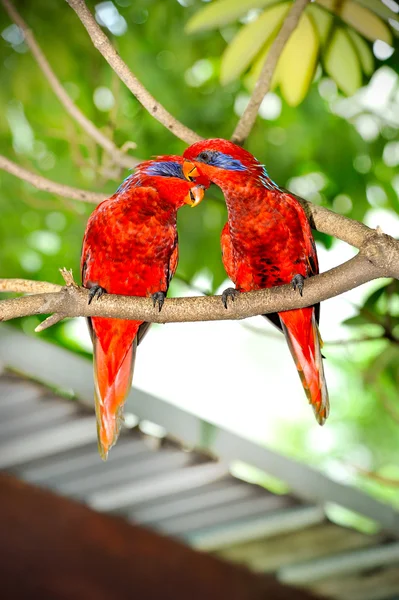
(205, 157)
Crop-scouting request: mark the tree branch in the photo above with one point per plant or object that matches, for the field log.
(378, 257)
(262, 86)
(47, 185)
(102, 140)
(103, 45)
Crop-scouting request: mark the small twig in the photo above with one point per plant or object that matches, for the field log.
(262, 86)
(49, 186)
(104, 46)
(49, 322)
(117, 155)
(376, 477)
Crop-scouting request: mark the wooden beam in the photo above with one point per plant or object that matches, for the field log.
(53, 548)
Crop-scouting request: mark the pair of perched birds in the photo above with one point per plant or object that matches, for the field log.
(130, 247)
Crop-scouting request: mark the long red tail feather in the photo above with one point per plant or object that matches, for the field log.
(303, 338)
(113, 372)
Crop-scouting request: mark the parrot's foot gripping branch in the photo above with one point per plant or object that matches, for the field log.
(298, 282)
(158, 298)
(229, 293)
(96, 290)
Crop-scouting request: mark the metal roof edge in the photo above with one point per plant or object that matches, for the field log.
(61, 368)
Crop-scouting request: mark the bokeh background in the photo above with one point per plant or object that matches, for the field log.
(336, 150)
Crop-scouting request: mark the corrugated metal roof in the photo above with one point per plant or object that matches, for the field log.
(51, 441)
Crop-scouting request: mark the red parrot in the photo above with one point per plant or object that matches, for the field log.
(130, 247)
(266, 242)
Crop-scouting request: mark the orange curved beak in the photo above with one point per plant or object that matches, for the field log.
(190, 171)
(195, 195)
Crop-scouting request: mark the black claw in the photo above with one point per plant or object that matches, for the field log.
(158, 298)
(96, 290)
(229, 293)
(298, 283)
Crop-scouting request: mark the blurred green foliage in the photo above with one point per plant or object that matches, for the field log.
(339, 152)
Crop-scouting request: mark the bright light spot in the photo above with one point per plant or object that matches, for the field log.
(382, 50)
(391, 154)
(39, 149)
(308, 185)
(103, 98)
(203, 280)
(56, 221)
(130, 420)
(166, 60)
(378, 92)
(395, 184)
(277, 136)
(72, 89)
(319, 440)
(13, 35)
(251, 15)
(386, 219)
(108, 16)
(328, 89)
(22, 133)
(77, 331)
(394, 23)
(394, 6)
(270, 107)
(30, 261)
(342, 204)
(152, 429)
(241, 103)
(140, 16)
(185, 3)
(47, 161)
(368, 127)
(47, 242)
(362, 163)
(376, 195)
(199, 73)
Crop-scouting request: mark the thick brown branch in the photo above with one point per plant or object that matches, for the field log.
(47, 185)
(326, 221)
(26, 286)
(103, 45)
(378, 257)
(262, 86)
(117, 155)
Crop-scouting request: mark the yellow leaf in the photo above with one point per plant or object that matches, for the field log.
(222, 12)
(342, 63)
(360, 18)
(253, 76)
(366, 56)
(249, 40)
(322, 20)
(297, 63)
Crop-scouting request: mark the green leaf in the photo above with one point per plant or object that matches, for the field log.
(375, 296)
(360, 18)
(297, 63)
(248, 42)
(252, 77)
(342, 63)
(379, 8)
(322, 20)
(223, 12)
(356, 321)
(364, 52)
